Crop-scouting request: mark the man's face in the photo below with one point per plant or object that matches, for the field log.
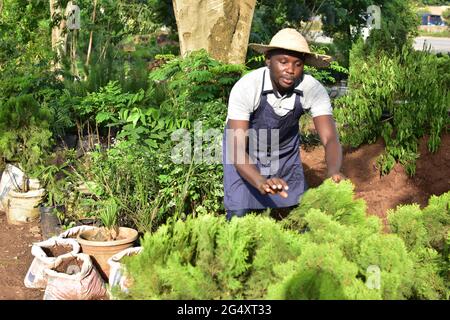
(286, 68)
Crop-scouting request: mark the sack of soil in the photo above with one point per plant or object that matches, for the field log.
(45, 254)
(74, 278)
(117, 273)
(75, 231)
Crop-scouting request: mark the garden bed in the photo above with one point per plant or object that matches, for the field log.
(384, 192)
(380, 192)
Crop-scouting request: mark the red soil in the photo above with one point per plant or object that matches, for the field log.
(385, 192)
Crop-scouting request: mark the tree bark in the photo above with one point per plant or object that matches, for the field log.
(221, 27)
(91, 35)
(59, 39)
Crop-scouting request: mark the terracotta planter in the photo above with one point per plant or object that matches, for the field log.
(101, 251)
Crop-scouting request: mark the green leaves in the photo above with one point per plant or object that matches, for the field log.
(400, 97)
(108, 212)
(255, 257)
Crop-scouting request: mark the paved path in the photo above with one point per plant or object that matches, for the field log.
(437, 44)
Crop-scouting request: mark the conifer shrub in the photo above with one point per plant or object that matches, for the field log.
(436, 217)
(324, 250)
(423, 228)
(25, 137)
(209, 258)
(338, 202)
(356, 246)
(425, 232)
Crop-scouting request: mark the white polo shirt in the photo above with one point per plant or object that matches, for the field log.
(245, 96)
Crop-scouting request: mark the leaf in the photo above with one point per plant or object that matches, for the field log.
(103, 116)
(134, 116)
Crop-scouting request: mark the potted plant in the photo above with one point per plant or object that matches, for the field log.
(101, 243)
(25, 139)
(23, 198)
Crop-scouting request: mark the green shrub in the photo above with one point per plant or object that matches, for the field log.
(401, 97)
(255, 257)
(197, 77)
(407, 222)
(25, 137)
(208, 258)
(425, 232)
(428, 227)
(338, 203)
(436, 219)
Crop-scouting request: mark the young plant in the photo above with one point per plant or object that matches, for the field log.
(108, 214)
(384, 103)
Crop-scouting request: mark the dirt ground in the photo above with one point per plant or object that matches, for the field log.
(385, 192)
(380, 192)
(15, 259)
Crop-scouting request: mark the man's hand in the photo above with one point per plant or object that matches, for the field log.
(337, 177)
(274, 186)
(326, 128)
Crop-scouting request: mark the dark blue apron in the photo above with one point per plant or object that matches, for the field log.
(273, 159)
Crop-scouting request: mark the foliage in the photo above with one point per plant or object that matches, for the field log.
(421, 266)
(428, 227)
(399, 24)
(112, 38)
(24, 134)
(128, 177)
(342, 20)
(208, 258)
(140, 170)
(327, 75)
(434, 2)
(338, 203)
(255, 257)
(446, 16)
(425, 232)
(208, 79)
(26, 62)
(108, 212)
(384, 102)
(55, 176)
(107, 102)
(270, 17)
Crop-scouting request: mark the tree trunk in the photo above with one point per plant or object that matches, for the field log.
(91, 35)
(59, 39)
(221, 27)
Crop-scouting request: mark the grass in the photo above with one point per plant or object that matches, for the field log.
(443, 34)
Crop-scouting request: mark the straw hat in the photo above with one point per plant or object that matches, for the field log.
(291, 39)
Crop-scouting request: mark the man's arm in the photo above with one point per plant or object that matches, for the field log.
(246, 168)
(326, 128)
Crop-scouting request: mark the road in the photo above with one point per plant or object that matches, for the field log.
(437, 44)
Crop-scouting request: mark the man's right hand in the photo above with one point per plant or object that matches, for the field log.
(274, 186)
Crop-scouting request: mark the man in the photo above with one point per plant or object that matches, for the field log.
(262, 167)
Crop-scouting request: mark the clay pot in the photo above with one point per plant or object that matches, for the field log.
(101, 251)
